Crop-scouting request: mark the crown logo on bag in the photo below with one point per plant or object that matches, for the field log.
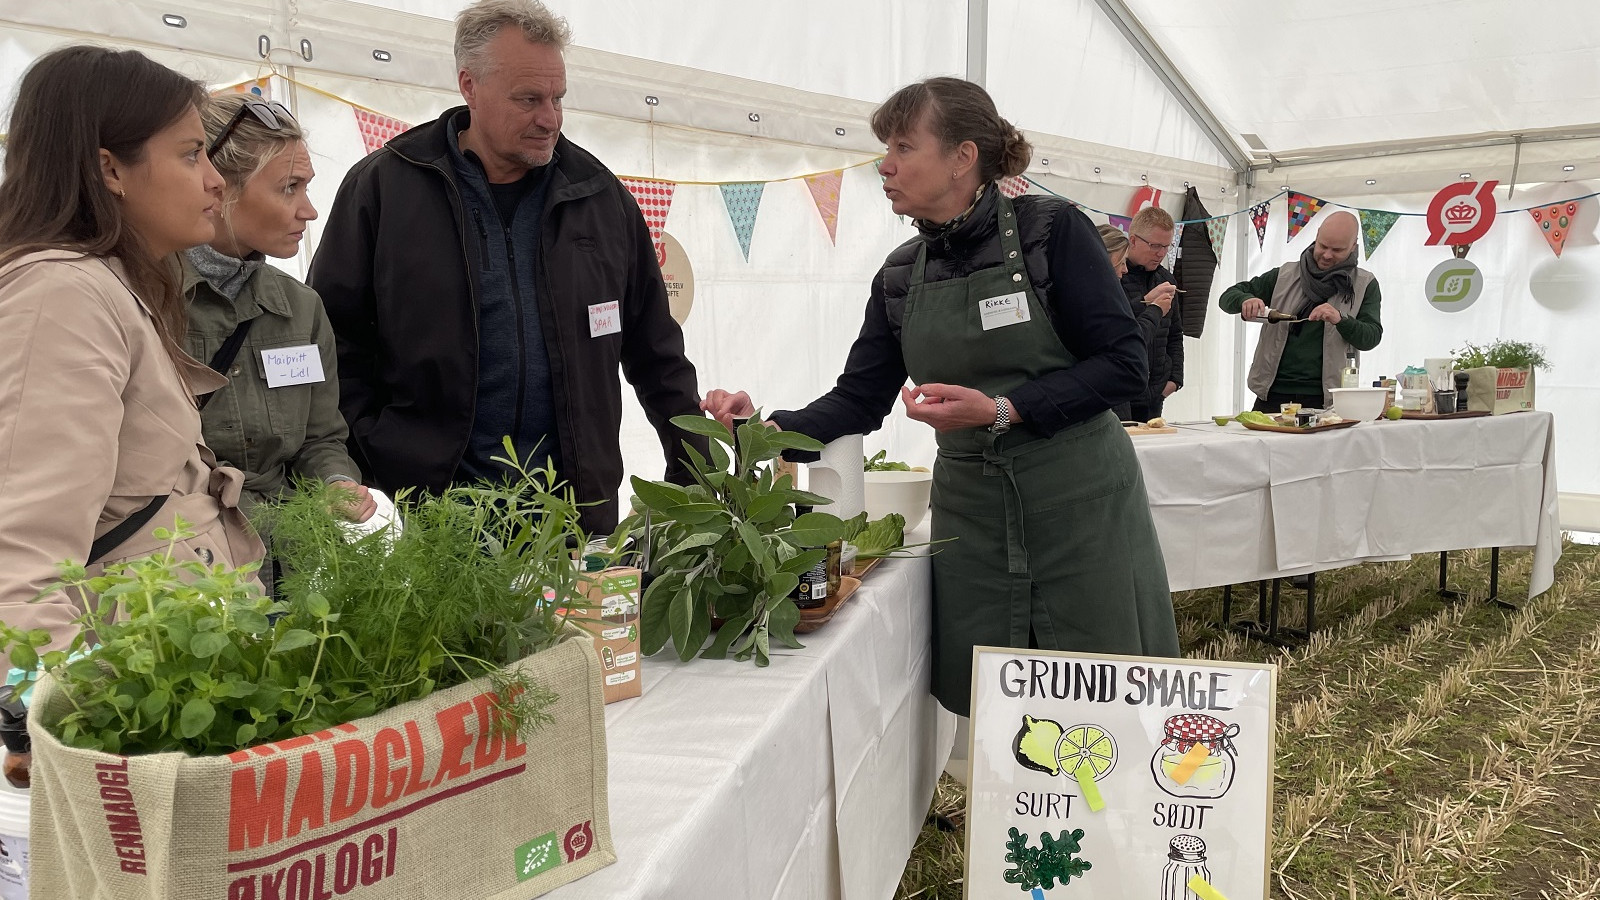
(1461, 214)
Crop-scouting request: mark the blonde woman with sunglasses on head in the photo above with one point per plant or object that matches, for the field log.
(279, 414)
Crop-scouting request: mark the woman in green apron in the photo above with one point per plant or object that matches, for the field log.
(1006, 316)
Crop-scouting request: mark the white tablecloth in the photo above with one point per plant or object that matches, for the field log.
(1233, 505)
(807, 779)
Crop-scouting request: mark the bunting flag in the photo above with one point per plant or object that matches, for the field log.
(1375, 225)
(261, 87)
(1120, 223)
(1172, 251)
(377, 130)
(1217, 232)
(1258, 217)
(655, 201)
(1302, 207)
(1014, 186)
(825, 194)
(1554, 221)
(743, 200)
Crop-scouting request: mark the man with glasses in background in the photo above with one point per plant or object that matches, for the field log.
(1153, 294)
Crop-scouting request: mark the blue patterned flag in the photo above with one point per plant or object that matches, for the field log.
(744, 202)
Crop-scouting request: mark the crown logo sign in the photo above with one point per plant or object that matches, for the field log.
(1461, 214)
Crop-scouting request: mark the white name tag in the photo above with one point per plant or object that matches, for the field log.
(998, 312)
(605, 318)
(292, 365)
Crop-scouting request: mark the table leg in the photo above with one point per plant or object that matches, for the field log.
(1261, 600)
(1494, 581)
(1311, 603)
(1227, 605)
(1444, 578)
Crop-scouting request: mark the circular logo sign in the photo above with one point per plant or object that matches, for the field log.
(678, 275)
(1454, 285)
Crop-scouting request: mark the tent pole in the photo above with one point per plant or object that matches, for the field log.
(1141, 41)
(1247, 184)
(978, 41)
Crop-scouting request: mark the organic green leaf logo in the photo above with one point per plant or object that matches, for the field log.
(537, 855)
(1453, 285)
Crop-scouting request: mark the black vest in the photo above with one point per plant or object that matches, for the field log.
(971, 245)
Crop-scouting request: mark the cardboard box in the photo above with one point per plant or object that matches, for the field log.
(613, 620)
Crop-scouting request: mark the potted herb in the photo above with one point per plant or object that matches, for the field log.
(409, 686)
(1500, 374)
(729, 545)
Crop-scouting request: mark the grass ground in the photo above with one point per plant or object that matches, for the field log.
(1426, 749)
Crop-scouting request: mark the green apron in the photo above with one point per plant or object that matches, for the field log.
(1055, 547)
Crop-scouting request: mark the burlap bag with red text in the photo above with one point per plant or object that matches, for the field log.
(422, 800)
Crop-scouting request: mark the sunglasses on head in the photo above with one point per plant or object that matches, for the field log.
(270, 113)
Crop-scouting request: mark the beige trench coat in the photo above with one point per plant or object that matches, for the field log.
(95, 421)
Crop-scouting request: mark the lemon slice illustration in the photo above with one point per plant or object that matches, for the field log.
(1087, 748)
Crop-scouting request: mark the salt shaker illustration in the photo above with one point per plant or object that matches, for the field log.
(1196, 758)
(1186, 858)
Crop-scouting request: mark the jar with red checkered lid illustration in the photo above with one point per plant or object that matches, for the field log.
(1196, 757)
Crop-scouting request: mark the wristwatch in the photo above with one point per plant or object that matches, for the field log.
(1002, 416)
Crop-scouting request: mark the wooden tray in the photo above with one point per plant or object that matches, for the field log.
(861, 571)
(1469, 414)
(812, 619)
(1135, 428)
(1296, 429)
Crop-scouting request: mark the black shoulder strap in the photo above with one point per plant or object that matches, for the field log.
(224, 356)
(125, 529)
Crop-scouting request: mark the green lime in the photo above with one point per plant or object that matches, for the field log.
(1393, 412)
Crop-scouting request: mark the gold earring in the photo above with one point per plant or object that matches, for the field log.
(122, 194)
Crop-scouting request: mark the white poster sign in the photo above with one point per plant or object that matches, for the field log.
(1118, 778)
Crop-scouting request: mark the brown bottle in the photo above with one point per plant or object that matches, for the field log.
(14, 732)
(1274, 315)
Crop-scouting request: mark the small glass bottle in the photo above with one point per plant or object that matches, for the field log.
(1351, 376)
(1186, 858)
(1274, 315)
(812, 591)
(19, 755)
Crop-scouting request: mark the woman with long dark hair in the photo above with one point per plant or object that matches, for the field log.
(106, 180)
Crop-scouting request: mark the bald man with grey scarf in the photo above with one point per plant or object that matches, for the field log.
(1340, 302)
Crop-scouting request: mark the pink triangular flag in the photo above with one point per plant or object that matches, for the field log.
(654, 197)
(825, 193)
(1555, 221)
(377, 130)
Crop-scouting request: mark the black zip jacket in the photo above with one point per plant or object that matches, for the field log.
(400, 287)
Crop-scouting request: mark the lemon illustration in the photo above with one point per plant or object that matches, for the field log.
(1086, 748)
(1036, 745)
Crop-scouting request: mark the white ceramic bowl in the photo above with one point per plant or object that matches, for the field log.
(1361, 403)
(906, 493)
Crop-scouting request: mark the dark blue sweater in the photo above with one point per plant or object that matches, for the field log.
(514, 384)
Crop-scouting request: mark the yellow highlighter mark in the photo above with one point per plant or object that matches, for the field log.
(1203, 889)
(1091, 791)
(1190, 762)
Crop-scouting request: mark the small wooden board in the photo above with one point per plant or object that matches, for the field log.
(862, 570)
(1469, 414)
(1296, 429)
(1135, 429)
(812, 619)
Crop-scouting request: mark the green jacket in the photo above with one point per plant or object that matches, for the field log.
(270, 434)
(1301, 369)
